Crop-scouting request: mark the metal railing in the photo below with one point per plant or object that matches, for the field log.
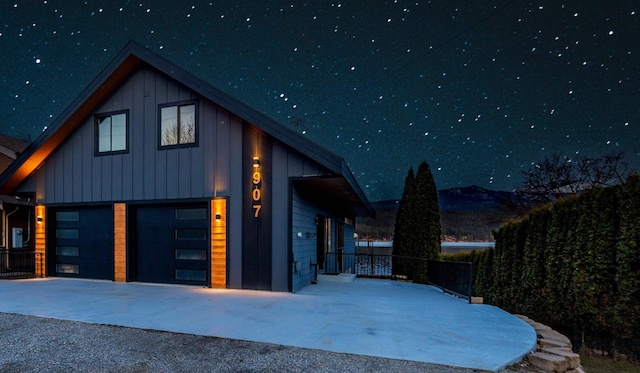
(20, 263)
(451, 277)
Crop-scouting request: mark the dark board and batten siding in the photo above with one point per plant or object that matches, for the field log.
(144, 172)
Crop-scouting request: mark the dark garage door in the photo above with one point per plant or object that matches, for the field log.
(83, 242)
(172, 244)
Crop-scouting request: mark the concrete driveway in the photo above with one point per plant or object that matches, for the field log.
(367, 317)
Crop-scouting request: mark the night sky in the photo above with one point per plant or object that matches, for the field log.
(478, 89)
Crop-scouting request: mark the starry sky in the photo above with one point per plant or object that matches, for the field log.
(480, 90)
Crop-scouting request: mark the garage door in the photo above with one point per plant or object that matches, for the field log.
(172, 244)
(83, 242)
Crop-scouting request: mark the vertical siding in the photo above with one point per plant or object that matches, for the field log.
(304, 248)
(280, 219)
(235, 202)
(74, 174)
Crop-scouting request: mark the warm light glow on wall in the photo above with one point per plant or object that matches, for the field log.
(41, 242)
(120, 242)
(219, 243)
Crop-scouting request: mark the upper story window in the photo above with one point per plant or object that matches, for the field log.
(178, 125)
(111, 132)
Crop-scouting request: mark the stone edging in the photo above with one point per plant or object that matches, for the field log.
(553, 352)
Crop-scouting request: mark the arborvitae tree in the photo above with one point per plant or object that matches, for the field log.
(402, 235)
(627, 309)
(428, 213)
(417, 229)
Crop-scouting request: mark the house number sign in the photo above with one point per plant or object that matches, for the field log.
(256, 193)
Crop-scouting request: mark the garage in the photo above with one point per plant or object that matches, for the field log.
(83, 242)
(171, 244)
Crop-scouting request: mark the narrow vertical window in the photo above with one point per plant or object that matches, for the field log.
(111, 133)
(178, 125)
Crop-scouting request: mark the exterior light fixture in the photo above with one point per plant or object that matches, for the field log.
(256, 162)
(39, 219)
(299, 235)
(218, 216)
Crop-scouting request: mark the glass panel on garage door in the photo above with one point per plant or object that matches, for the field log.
(82, 240)
(172, 244)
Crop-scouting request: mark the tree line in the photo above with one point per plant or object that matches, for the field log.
(573, 264)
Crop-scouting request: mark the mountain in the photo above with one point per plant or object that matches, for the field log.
(467, 214)
(466, 198)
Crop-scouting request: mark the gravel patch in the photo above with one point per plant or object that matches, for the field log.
(35, 344)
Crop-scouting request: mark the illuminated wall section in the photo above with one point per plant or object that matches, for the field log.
(41, 239)
(120, 241)
(219, 243)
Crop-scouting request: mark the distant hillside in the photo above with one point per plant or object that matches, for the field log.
(467, 214)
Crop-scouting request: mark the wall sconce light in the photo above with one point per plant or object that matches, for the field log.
(256, 162)
(39, 219)
(218, 216)
(299, 235)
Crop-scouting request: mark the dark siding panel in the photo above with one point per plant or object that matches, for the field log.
(138, 150)
(257, 251)
(107, 178)
(49, 180)
(280, 218)
(116, 179)
(209, 146)
(304, 249)
(87, 160)
(67, 181)
(184, 172)
(146, 136)
(196, 164)
(58, 184)
(131, 99)
(223, 152)
(234, 176)
(171, 173)
(76, 183)
(96, 184)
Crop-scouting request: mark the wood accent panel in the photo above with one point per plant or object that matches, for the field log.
(219, 243)
(41, 241)
(120, 242)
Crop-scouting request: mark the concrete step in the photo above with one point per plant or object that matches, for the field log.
(343, 277)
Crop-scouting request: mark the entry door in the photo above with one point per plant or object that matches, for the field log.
(172, 244)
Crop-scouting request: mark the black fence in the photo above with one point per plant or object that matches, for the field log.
(451, 277)
(19, 263)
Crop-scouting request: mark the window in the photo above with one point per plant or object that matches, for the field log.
(67, 216)
(191, 213)
(178, 125)
(68, 268)
(67, 233)
(191, 233)
(111, 133)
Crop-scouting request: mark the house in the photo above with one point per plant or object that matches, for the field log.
(153, 175)
(15, 212)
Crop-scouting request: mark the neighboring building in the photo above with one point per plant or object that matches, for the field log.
(16, 213)
(10, 149)
(153, 175)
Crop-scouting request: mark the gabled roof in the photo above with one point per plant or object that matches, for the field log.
(134, 56)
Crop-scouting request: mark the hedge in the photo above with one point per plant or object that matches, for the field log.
(574, 265)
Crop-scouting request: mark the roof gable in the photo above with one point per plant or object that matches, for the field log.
(125, 63)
